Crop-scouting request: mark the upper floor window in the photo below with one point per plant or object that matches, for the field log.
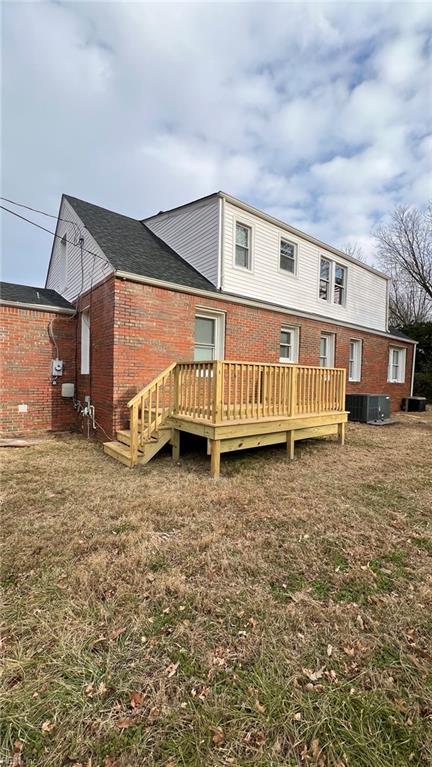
(324, 288)
(327, 346)
(243, 246)
(288, 350)
(287, 256)
(355, 354)
(339, 284)
(396, 366)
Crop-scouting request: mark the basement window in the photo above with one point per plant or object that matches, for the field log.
(85, 342)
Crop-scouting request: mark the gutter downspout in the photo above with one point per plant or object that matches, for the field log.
(413, 369)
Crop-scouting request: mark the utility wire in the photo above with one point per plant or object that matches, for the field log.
(44, 229)
(76, 226)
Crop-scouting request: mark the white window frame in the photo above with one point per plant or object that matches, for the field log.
(401, 365)
(355, 361)
(329, 282)
(242, 222)
(294, 330)
(219, 339)
(343, 287)
(330, 352)
(295, 259)
(85, 340)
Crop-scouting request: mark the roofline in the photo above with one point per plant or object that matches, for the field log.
(236, 299)
(37, 307)
(299, 233)
(276, 222)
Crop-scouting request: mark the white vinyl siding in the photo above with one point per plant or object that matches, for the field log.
(288, 346)
(365, 301)
(327, 349)
(193, 232)
(355, 358)
(396, 364)
(85, 341)
(66, 274)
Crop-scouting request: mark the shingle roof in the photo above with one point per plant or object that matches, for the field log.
(130, 246)
(26, 294)
(399, 334)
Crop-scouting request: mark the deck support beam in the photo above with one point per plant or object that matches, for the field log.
(290, 439)
(175, 443)
(341, 433)
(215, 453)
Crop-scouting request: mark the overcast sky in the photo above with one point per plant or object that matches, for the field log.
(317, 113)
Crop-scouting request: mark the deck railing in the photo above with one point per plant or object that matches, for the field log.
(218, 391)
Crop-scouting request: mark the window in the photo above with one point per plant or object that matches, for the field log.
(355, 354)
(396, 367)
(85, 342)
(209, 336)
(339, 285)
(243, 246)
(324, 288)
(288, 351)
(327, 350)
(287, 256)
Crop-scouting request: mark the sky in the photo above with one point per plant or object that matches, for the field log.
(319, 114)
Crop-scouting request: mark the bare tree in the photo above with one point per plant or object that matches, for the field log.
(405, 253)
(354, 250)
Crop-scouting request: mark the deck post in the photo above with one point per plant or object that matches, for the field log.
(175, 443)
(176, 398)
(290, 444)
(341, 433)
(293, 398)
(215, 447)
(133, 425)
(218, 391)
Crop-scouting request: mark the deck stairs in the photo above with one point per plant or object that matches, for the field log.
(121, 447)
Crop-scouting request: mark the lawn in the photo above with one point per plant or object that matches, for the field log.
(279, 616)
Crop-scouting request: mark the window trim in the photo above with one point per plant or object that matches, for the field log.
(356, 378)
(242, 222)
(330, 279)
(332, 275)
(344, 286)
(295, 245)
(402, 364)
(219, 317)
(331, 352)
(85, 341)
(294, 329)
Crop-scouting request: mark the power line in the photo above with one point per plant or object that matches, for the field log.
(44, 229)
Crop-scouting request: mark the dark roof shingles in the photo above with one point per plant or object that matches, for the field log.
(130, 246)
(27, 294)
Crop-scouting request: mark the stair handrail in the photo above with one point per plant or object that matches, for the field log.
(142, 393)
(141, 397)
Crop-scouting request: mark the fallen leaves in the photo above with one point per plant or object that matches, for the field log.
(218, 736)
(47, 726)
(137, 699)
(171, 669)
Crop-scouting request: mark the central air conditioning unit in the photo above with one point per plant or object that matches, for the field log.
(368, 408)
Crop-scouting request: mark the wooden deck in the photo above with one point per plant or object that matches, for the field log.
(235, 405)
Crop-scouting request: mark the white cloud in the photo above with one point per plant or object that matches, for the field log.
(316, 113)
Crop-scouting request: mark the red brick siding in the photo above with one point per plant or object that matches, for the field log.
(155, 326)
(26, 354)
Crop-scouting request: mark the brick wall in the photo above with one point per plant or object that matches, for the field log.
(25, 370)
(154, 327)
(98, 384)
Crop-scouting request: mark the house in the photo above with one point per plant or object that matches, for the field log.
(213, 279)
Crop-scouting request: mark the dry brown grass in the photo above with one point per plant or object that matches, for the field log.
(279, 616)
